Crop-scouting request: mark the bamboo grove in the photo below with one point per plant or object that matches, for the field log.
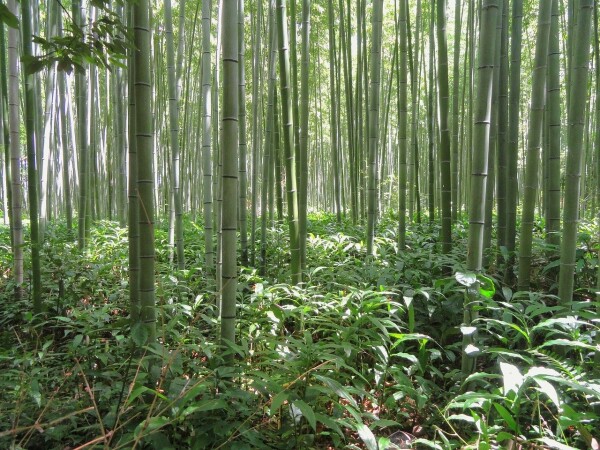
(241, 113)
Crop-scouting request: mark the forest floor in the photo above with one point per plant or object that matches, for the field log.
(365, 354)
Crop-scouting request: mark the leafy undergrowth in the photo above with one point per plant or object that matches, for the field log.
(366, 354)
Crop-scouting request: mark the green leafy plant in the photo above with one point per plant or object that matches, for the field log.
(365, 354)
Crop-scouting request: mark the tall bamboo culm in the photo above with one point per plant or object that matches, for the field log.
(145, 177)
(444, 95)
(402, 124)
(480, 151)
(512, 150)
(32, 168)
(534, 143)
(288, 140)
(177, 206)
(375, 83)
(207, 182)
(15, 153)
(578, 86)
(229, 175)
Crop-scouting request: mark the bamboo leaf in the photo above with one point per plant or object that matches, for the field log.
(8, 17)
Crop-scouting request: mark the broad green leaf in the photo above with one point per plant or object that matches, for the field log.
(77, 340)
(567, 322)
(383, 443)
(278, 401)
(504, 436)
(511, 325)
(148, 426)
(423, 293)
(136, 392)
(542, 371)
(157, 422)
(538, 309)
(381, 423)
(32, 64)
(412, 358)
(367, 436)
(430, 444)
(507, 416)
(205, 405)
(509, 353)
(551, 265)
(591, 440)
(507, 292)
(549, 390)
(486, 286)
(307, 413)
(35, 392)
(271, 315)
(513, 380)
(383, 353)
(480, 425)
(570, 417)
(139, 334)
(462, 417)
(336, 387)
(353, 412)
(466, 279)
(8, 17)
(588, 388)
(63, 319)
(551, 443)
(159, 440)
(177, 387)
(480, 376)
(192, 393)
(570, 343)
(329, 423)
(401, 337)
(473, 398)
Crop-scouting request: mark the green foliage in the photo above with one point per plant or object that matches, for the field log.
(365, 354)
(8, 18)
(103, 42)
